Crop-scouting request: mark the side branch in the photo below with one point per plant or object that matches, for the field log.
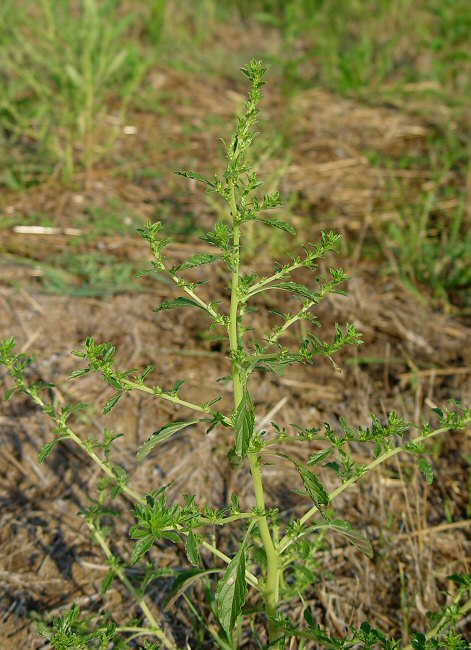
(329, 242)
(149, 233)
(139, 598)
(134, 496)
(172, 398)
(445, 622)
(285, 271)
(288, 540)
(218, 318)
(291, 321)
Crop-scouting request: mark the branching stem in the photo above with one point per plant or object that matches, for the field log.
(273, 565)
(291, 321)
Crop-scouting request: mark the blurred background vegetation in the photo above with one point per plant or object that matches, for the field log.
(92, 101)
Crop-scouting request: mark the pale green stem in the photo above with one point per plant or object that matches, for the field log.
(171, 398)
(295, 318)
(196, 298)
(276, 276)
(96, 459)
(139, 598)
(287, 540)
(287, 324)
(249, 577)
(273, 566)
(271, 591)
(234, 309)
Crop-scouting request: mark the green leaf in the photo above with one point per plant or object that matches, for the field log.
(319, 456)
(235, 461)
(79, 373)
(46, 450)
(298, 289)
(159, 436)
(198, 260)
(172, 536)
(184, 581)
(115, 491)
(232, 591)
(107, 580)
(9, 393)
(196, 177)
(141, 547)
(282, 225)
(361, 542)
(176, 388)
(191, 549)
(313, 486)
(147, 371)
(461, 579)
(178, 302)
(244, 425)
(111, 403)
(426, 469)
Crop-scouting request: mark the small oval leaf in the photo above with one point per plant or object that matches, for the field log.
(356, 538)
(178, 302)
(141, 547)
(426, 469)
(111, 403)
(195, 177)
(319, 456)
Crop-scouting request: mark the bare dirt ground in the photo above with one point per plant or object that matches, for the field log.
(413, 359)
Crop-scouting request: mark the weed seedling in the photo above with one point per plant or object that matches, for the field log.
(251, 586)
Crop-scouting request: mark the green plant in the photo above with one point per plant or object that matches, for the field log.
(292, 20)
(249, 585)
(360, 46)
(432, 250)
(60, 70)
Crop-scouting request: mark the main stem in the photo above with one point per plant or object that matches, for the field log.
(234, 310)
(271, 589)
